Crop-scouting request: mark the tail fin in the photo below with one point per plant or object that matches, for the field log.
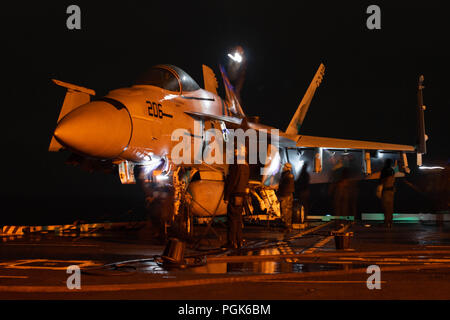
(422, 137)
(231, 98)
(209, 79)
(299, 116)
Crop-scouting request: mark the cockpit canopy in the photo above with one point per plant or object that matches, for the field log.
(168, 77)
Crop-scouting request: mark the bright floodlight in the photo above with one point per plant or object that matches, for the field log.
(161, 177)
(237, 57)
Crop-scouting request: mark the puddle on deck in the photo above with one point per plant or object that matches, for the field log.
(248, 267)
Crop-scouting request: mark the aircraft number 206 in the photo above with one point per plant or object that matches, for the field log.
(155, 109)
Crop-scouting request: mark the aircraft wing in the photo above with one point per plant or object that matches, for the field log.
(302, 141)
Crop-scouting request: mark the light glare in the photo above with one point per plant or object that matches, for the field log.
(431, 168)
(237, 57)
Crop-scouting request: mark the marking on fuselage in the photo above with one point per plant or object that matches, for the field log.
(156, 110)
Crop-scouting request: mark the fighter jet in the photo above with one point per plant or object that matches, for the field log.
(140, 127)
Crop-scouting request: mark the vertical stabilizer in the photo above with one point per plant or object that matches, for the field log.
(209, 78)
(422, 137)
(231, 98)
(299, 116)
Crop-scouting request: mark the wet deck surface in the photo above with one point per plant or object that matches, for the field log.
(414, 260)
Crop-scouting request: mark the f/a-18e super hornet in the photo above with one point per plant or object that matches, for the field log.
(138, 129)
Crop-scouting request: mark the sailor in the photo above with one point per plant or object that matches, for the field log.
(302, 189)
(159, 201)
(387, 180)
(285, 195)
(341, 191)
(234, 195)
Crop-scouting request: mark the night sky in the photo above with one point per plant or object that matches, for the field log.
(368, 92)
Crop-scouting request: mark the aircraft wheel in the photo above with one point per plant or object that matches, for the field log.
(186, 223)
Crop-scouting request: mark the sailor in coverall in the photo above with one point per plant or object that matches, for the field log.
(234, 193)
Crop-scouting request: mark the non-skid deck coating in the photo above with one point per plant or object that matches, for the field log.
(414, 259)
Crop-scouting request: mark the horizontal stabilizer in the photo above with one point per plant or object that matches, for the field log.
(74, 87)
(75, 97)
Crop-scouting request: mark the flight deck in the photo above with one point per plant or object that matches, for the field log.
(308, 263)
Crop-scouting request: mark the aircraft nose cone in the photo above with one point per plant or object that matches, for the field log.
(97, 129)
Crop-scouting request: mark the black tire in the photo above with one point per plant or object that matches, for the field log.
(185, 223)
